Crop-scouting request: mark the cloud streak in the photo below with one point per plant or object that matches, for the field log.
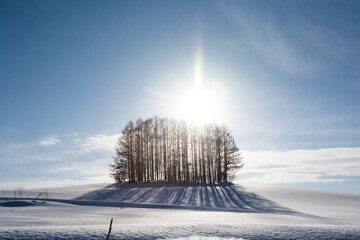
(49, 140)
(99, 142)
(71, 134)
(266, 39)
(300, 166)
(78, 160)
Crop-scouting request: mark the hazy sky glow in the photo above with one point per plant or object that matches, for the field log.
(283, 75)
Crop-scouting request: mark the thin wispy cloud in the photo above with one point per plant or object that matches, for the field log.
(14, 147)
(61, 169)
(90, 156)
(50, 182)
(326, 40)
(75, 161)
(98, 167)
(49, 140)
(45, 159)
(71, 134)
(300, 166)
(263, 36)
(99, 142)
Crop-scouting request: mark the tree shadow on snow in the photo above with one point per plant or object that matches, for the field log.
(222, 197)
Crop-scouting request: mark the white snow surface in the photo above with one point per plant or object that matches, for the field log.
(179, 211)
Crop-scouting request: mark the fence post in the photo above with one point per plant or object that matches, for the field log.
(108, 235)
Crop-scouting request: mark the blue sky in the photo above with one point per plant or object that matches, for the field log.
(284, 75)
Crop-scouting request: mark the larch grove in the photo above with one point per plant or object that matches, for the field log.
(161, 149)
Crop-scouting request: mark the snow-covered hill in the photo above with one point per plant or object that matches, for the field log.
(152, 211)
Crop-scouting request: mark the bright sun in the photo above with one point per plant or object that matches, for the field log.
(197, 106)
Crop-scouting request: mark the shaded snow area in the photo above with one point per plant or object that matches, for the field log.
(162, 211)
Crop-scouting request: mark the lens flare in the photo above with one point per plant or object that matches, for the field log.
(198, 68)
(198, 104)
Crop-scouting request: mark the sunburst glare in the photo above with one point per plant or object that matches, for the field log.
(198, 104)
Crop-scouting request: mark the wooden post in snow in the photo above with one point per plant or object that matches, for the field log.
(108, 235)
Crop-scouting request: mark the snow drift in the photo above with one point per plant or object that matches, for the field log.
(153, 211)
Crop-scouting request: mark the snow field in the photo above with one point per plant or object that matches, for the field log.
(182, 212)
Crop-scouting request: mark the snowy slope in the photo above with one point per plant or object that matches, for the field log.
(329, 204)
(163, 211)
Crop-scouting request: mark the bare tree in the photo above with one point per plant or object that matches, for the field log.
(160, 149)
(19, 191)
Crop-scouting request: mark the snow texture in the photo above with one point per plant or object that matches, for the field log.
(162, 211)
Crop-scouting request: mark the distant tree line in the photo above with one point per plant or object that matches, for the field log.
(159, 149)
